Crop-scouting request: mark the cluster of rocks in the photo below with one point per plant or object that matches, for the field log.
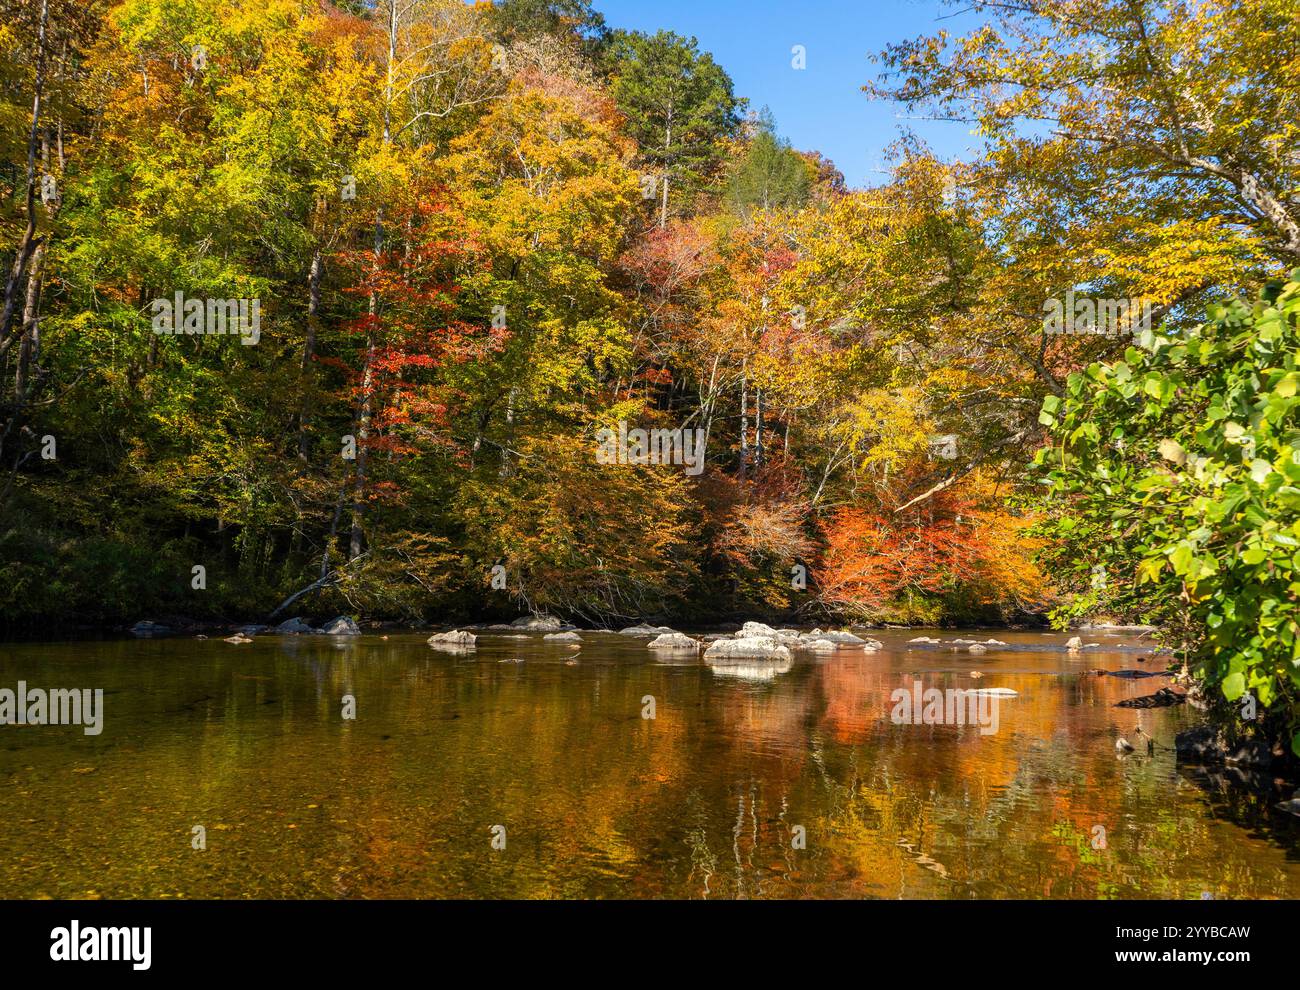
(339, 626)
(463, 641)
(754, 641)
(758, 641)
(530, 623)
(969, 645)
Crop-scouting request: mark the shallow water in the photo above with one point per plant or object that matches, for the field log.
(702, 801)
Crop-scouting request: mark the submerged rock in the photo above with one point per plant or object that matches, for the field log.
(341, 626)
(293, 627)
(751, 647)
(925, 639)
(1104, 627)
(1132, 674)
(673, 641)
(238, 639)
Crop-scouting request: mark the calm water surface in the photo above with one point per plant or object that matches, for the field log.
(597, 801)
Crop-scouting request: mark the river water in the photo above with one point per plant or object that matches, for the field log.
(522, 771)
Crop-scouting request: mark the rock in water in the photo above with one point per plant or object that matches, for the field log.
(818, 645)
(341, 626)
(1161, 699)
(1074, 643)
(562, 637)
(756, 630)
(673, 641)
(146, 628)
(643, 630)
(293, 627)
(538, 623)
(455, 640)
(848, 639)
(753, 647)
(977, 648)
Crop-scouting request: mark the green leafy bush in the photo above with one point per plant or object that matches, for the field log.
(1174, 479)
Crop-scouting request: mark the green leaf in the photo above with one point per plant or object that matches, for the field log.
(1234, 686)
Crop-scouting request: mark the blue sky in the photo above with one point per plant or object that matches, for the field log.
(820, 108)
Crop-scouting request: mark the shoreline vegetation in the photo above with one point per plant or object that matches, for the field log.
(403, 312)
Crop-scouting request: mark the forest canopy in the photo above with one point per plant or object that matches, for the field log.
(474, 239)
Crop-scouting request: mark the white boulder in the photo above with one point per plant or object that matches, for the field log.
(562, 637)
(673, 641)
(748, 647)
(457, 639)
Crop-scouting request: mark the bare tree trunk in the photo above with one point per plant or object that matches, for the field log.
(31, 328)
(744, 419)
(668, 140)
(758, 429)
(364, 420)
(366, 414)
(309, 350)
(22, 253)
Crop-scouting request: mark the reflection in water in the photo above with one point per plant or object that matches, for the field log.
(751, 670)
(753, 780)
